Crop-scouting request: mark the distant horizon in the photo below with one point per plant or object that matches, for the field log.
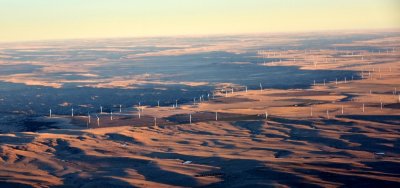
(374, 30)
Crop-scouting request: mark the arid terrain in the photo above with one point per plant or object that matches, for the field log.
(339, 131)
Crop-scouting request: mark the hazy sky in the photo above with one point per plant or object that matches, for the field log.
(62, 19)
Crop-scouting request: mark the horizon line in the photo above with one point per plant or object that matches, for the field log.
(319, 31)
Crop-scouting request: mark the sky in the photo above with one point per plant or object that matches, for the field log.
(26, 20)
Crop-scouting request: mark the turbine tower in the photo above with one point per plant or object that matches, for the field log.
(98, 121)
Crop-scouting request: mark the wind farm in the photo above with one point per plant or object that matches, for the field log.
(314, 108)
(247, 127)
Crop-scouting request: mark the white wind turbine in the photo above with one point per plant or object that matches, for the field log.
(88, 122)
(342, 109)
(98, 121)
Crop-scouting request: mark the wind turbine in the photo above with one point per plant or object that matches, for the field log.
(342, 109)
(264, 58)
(120, 108)
(72, 112)
(101, 109)
(261, 88)
(88, 122)
(111, 116)
(50, 112)
(98, 121)
(190, 119)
